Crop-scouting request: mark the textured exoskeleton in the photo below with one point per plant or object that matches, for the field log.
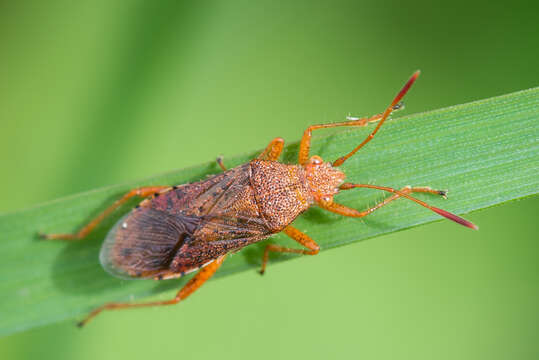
(188, 227)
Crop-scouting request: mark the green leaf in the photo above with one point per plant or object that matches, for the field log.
(485, 153)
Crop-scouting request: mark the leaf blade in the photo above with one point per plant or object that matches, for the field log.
(486, 153)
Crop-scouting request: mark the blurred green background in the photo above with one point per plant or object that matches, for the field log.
(103, 92)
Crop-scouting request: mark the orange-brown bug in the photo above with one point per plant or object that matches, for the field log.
(184, 228)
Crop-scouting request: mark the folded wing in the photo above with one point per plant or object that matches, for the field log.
(144, 242)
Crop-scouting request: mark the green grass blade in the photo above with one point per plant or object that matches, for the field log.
(485, 153)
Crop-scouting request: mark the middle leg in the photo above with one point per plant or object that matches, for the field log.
(273, 150)
(219, 161)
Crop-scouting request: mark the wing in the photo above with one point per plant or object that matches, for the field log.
(229, 220)
(186, 228)
(225, 204)
(145, 242)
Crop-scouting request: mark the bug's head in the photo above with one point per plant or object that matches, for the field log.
(323, 179)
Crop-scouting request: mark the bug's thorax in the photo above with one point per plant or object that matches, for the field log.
(281, 191)
(322, 179)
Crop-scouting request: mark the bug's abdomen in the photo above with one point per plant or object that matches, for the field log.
(280, 191)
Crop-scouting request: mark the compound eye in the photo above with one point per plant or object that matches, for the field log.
(316, 160)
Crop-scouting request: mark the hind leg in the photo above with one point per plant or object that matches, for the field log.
(196, 282)
(142, 192)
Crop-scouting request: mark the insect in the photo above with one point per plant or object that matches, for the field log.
(185, 228)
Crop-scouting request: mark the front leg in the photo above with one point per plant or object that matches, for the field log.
(305, 144)
(296, 235)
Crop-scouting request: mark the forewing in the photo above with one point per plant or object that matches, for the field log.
(233, 212)
(183, 229)
(144, 242)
